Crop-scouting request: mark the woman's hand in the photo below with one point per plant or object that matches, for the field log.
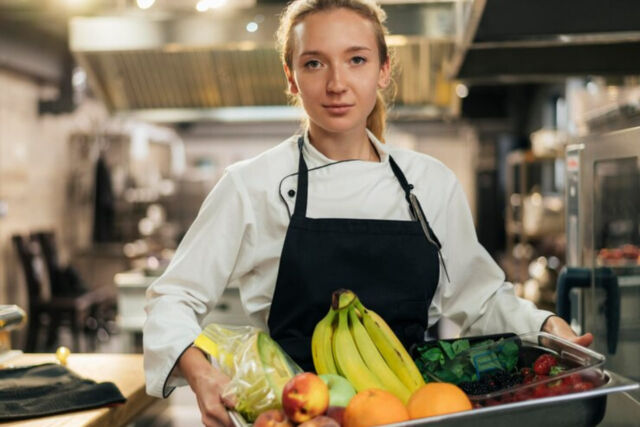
(557, 326)
(207, 383)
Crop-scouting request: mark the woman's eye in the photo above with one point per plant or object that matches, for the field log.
(313, 64)
(358, 60)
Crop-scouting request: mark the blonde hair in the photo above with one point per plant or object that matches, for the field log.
(295, 13)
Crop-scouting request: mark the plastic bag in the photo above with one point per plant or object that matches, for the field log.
(256, 364)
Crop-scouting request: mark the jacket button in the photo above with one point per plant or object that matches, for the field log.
(291, 193)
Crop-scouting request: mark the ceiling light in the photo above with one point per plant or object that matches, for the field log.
(461, 90)
(252, 27)
(145, 4)
(204, 5)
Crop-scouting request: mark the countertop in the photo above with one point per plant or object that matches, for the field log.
(125, 370)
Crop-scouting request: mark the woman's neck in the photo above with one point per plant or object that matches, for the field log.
(343, 146)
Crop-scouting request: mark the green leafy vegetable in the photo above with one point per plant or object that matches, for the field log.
(459, 346)
(459, 361)
(447, 348)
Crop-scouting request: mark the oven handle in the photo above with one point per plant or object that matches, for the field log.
(572, 277)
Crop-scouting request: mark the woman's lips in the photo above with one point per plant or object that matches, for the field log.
(338, 108)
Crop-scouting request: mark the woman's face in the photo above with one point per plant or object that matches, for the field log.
(336, 69)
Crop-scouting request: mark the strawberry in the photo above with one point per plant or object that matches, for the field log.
(558, 387)
(491, 402)
(572, 380)
(541, 390)
(507, 398)
(522, 395)
(543, 364)
(582, 386)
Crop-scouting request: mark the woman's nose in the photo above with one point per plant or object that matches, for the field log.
(336, 82)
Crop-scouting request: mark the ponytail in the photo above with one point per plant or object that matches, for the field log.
(376, 121)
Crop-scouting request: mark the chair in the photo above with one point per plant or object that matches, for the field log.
(72, 309)
(64, 279)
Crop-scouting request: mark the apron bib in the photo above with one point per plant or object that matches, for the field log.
(390, 264)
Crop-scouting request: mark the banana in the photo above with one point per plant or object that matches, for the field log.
(321, 345)
(348, 358)
(391, 348)
(373, 359)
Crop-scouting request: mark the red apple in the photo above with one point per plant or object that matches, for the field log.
(305, 396)
(272, 418)
(336, 412)
(320, 421)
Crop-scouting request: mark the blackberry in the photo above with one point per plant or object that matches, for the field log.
(490, 383)
(474, 388)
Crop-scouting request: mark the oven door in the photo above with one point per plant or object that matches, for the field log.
(610, 193)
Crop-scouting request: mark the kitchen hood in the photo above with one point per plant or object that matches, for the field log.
(528, 41)
(191, 67)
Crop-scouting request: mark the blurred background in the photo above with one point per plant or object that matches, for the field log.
(117, 117)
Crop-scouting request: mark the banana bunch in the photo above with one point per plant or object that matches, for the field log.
(357, 343)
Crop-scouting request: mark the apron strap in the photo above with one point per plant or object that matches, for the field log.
(300, 209)
(403, 181)
(418, 214)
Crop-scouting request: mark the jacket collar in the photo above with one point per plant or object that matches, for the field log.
(314, 158)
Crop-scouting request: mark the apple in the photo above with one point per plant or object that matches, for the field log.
(340, 389)
(337, 413)
(320, 421)
(304, 397)
(272, 418)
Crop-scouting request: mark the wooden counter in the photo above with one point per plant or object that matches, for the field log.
(124, 370)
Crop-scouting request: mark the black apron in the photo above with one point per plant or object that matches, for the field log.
(390, 264)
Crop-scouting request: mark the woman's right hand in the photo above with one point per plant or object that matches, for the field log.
(207, 383)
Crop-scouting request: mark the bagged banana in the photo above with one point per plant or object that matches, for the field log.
(256, 364)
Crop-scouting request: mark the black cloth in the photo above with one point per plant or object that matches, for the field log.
(389, 264)
(104, 209)
(39, 390)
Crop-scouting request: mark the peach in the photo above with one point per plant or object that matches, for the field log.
(272, 418)
(320, 421)
(305, 396)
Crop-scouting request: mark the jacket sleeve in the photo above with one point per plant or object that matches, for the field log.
(477, 298)
(216, 250)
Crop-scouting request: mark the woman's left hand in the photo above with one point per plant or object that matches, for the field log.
(557, 326)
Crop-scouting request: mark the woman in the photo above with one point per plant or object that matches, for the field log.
(333, 208)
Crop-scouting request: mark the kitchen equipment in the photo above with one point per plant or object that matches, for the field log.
(599, 292)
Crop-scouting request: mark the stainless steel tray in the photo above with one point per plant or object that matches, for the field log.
(586, 408)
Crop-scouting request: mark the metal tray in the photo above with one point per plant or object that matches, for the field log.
(586, 408)
(576, 409)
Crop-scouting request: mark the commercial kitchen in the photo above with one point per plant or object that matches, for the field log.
(119, 117)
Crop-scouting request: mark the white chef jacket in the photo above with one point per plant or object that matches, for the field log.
(238, 235)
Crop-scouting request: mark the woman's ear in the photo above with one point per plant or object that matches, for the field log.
(385, 74)
(293, 87)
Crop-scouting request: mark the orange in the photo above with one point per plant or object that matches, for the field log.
(437, 399)
(374, 407)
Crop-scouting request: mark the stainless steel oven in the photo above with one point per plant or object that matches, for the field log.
(599, 291)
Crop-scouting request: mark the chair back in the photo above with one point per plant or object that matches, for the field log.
(34, 269)
(47, 242)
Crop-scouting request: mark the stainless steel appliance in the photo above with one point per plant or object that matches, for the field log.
(599, 291)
